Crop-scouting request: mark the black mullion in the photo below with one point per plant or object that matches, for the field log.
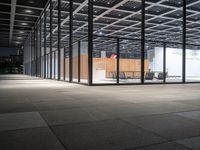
(54, 64)
(64, 65)
(51, 7)
(40, 47)
(142, 41)
(164, 63)
(79, 61)
(36, 52)
(184, 42)
(70, 40)
(90, 40)
(59, 20)
(31, 54)
(118, 57)
(45, 44)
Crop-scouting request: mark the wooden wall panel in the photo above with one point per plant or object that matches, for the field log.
(107, 64)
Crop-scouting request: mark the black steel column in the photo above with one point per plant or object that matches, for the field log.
(164, 63)
(64, 65)
(184, 42)
(54, 64)
(79, 61)
(90, 40)
(51, 7)
(36, 51)
(59, 15)
(45, 44)
(118, 57)
(70, 40)
(31, 54)
(40, 57)
(143, 41)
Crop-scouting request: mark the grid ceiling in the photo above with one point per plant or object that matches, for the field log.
(17, 18)
(122, 18)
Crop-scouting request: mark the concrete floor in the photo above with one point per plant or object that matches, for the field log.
(38, 114)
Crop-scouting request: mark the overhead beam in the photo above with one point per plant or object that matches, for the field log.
(12, 19)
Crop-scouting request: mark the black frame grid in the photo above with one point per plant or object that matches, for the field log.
(91, 12)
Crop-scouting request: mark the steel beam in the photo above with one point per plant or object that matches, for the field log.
(12, 20)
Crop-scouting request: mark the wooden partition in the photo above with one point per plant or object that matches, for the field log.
(125, 65)
(108, 65)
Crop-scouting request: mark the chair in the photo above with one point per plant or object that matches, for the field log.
(114, 75)
(122, 75)
(160, 76)
(149, 76)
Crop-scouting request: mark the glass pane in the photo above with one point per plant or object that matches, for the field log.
(192, 41)
(192, 63)
(130, 61)
(153, 62)
(84, 61)
(104, 60)
(53, 64)
(75, 62)
(174, 63)
(163, 23)
(67, 61)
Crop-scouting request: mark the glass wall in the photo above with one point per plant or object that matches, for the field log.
(124, 23)
(192, 42)
(163, 23)
(130, 44)
(79, 51)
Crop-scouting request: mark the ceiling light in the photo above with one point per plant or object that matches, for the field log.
(100, 32)
(31, 2)
(24, 24)
(28, 11)
(21, 32)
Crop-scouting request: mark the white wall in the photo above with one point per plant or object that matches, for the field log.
(193, 63)
(174, 61)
